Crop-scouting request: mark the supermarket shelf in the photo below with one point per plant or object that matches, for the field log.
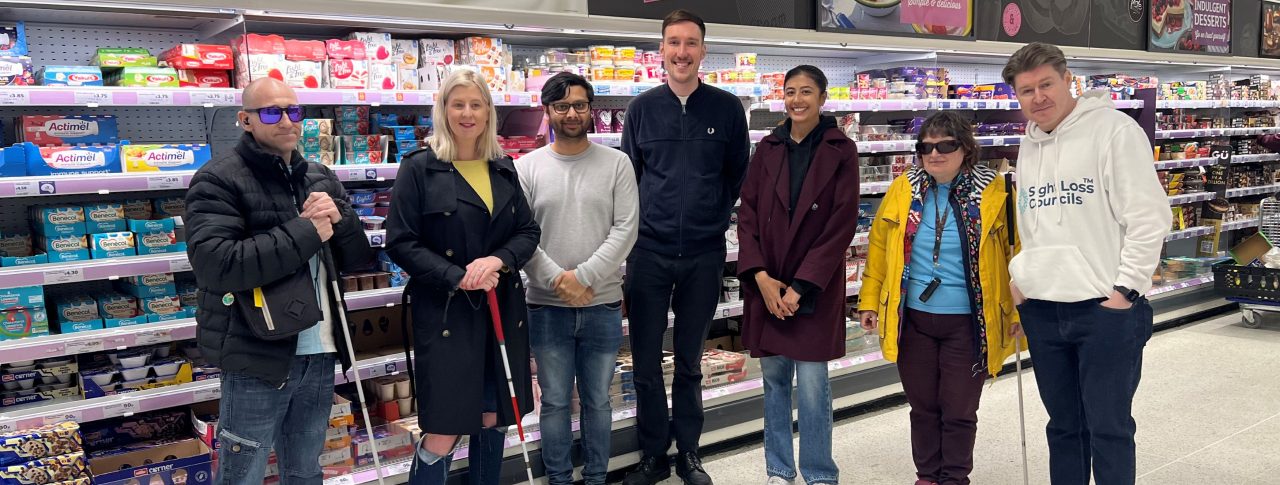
(33, 348)
(1188, 233)
(874, 188)
(360, 173)
(1188, 283)
(1190, 198)
(606, 88)
(1249, 191)
(1170, 134)
(112, 406)
(1186, 163)
(94, 184)
(910, 145)
(94, 269)
(363, 300)
(94, 97)
(777, 106)
(377, 238)
(1255, 158)
(1216, 103)
(1238, 225)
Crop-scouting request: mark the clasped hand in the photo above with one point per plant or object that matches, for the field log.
(571, 291)
(482, 274)
(779, 304)
(323, 213)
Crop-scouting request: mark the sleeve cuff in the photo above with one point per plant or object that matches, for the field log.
(804, 287)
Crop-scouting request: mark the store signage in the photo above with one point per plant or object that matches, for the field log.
(928, 18)
(1112, 24)
(791, 14)
(1202, 26)
(1270, 46)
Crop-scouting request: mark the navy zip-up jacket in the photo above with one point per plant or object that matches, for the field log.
(689, 161)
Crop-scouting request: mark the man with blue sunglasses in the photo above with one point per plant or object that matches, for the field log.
(262, 218)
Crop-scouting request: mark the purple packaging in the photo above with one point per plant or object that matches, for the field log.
(603, 120)
(619, 120)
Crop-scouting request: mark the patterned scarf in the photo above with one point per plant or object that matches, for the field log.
(967, 192)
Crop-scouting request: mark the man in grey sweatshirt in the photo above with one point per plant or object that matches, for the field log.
(585, 200)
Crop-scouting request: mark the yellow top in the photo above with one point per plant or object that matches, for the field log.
(476, 172)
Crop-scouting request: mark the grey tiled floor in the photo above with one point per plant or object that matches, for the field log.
(1208, 413)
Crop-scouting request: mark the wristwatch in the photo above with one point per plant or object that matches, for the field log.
(1131, 295)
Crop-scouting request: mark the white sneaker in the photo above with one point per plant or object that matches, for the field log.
(778, 481)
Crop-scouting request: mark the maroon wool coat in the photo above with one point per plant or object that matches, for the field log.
(811, 247)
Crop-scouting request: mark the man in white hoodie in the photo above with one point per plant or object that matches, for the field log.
(1092, 217)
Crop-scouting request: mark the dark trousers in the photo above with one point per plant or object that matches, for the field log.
(936, 364)
(690, 287)
(1088, 360)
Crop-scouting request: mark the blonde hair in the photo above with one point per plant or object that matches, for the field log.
(442, 141)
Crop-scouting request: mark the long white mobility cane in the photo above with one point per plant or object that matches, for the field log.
(1022, 416)
(511, 388)
(351, 352)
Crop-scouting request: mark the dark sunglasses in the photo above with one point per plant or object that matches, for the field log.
(271, 115)
(944, 147)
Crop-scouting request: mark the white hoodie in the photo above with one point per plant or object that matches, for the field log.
(1091, 212)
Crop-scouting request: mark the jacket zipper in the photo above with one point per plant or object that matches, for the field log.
(684, 170)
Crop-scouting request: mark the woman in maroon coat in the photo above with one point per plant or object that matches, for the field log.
(799, 213)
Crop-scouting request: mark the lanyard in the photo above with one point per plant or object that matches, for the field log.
(940, 223)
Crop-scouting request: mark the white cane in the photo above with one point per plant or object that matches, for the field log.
(1022, 416)
(355, 370)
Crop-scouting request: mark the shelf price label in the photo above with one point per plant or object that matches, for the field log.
(59, 276)
(22, 189)
(164, 182)
(347, 479)
(399, 468)
(85, 346)
(179, 265)
(125, 409)
(209, 394)
(92, 98)
(60, 417)
(154, 337)
(8, 427)
(155, 98)
(213, 98)
(15, 97)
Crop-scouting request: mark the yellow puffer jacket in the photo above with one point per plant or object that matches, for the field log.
(881, 281)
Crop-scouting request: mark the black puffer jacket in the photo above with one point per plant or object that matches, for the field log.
(243, 231)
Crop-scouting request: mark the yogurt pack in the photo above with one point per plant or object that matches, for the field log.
(112, 245)
(49, 130)
(100, 218)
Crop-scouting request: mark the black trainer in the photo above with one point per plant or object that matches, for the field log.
(652, 469)
(689, 469)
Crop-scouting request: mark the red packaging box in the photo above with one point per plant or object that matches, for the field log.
(345, 49)
(199, 56)
(305, 50)
(258, 44)
(203, 78)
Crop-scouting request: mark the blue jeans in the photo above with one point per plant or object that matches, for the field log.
(255, 417)
(581, 343)
(484, 451)
(814, 389)
(1088, 361)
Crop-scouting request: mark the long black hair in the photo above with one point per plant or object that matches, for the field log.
(812, 73)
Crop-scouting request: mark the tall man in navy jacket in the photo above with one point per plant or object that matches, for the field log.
(688, 142)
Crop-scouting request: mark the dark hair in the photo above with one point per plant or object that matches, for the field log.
(557, 88)
(949, 123)
(808, 71)
(1032, 56)
(682, 15)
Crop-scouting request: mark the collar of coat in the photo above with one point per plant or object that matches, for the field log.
(830, 135)
(969, 185)
(260, 160)
(435, 164)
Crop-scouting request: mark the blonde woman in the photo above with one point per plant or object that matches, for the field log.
(460, 226)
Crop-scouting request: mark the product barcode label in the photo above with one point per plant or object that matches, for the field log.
(59, 276)
(85, 346)
(15, 97)
(92, 97)
(164, 182)
(154, 337)
(156, 98)
(126, 408)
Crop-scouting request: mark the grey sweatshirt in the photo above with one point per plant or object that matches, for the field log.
(588, 208)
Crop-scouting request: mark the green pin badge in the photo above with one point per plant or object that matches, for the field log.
(228, 299)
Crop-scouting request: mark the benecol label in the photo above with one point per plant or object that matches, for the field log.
(105, 214)
(67, 244)
(77, 159)
(71, 128)
(169, 157)
(119, 243)
(158, 239)
(65, 217)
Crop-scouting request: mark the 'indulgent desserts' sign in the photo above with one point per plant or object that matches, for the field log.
(1191, 26)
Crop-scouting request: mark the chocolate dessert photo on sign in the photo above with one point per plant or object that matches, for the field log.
(1202, 26)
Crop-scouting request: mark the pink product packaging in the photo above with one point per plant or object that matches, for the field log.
(619, 120)
(603, 120)
(383, 76)
(348, 74)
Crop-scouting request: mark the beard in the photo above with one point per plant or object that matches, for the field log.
(569, 133)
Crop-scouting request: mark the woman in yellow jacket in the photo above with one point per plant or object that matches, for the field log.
(937, 287)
